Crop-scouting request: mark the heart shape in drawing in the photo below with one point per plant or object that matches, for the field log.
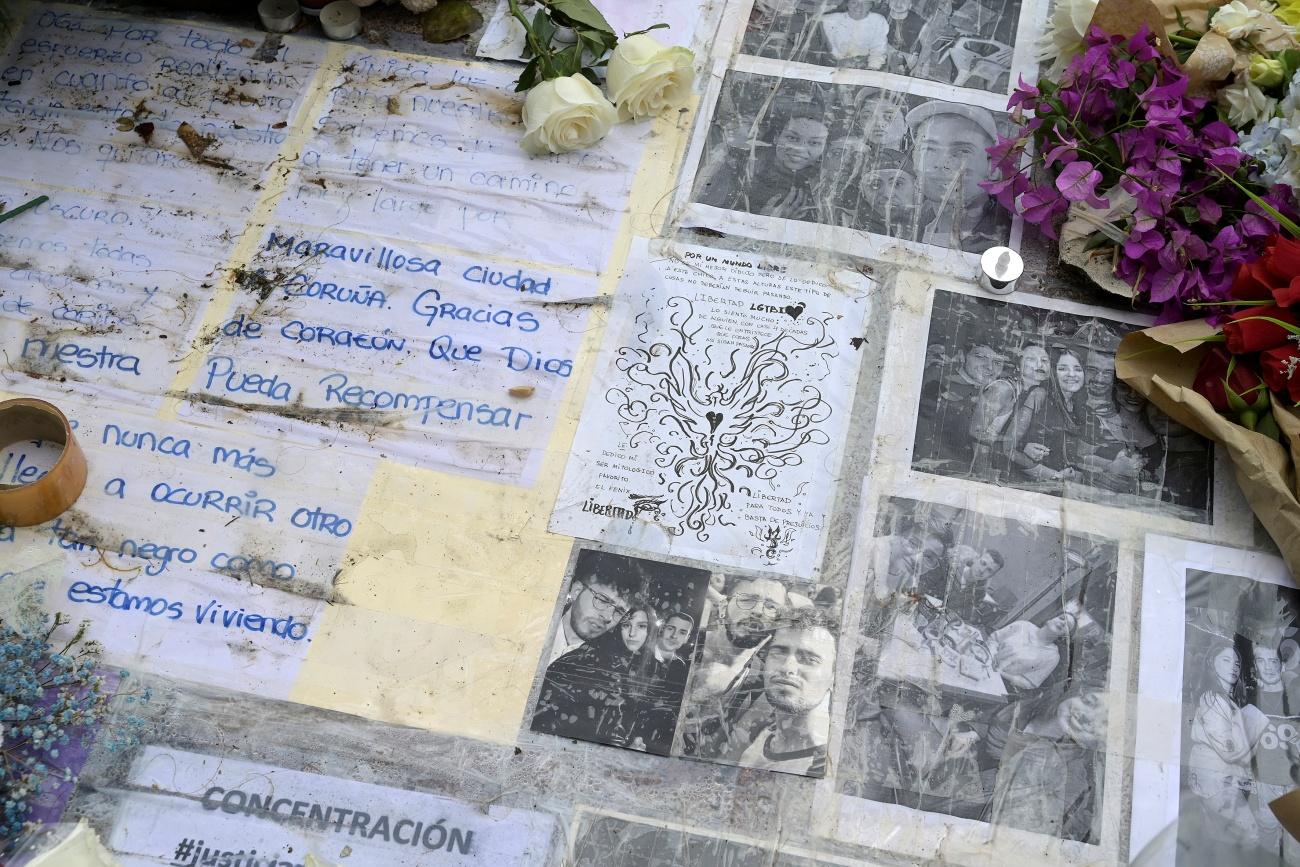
(794, 311)
(715, 419)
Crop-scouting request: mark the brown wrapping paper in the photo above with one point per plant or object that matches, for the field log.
(1160, 363)
(1287, 810)
(1126, 17)
(1215, 59)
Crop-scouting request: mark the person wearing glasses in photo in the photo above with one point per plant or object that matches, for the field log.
(600, 596)
(724, 686)
(746, 619)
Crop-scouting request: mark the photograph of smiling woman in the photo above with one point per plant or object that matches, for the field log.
(621, 652)
(1026, 397)
(778, 177)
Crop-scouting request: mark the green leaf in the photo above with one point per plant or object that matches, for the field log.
(605, 41)
(543, 27)
(1190, 214)
(1248, 419)
(581, 12)
(1267, 425)
(1097, 241)
(528, 78)
(660, 26)
(592, 45)
(569, 61)
(1261, 400)
(590, 75)
(1290, 62)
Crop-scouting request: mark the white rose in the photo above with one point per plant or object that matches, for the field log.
(565, 114)
(1065, 31)
(646, 77)
(1236, 20)
(1246, 104)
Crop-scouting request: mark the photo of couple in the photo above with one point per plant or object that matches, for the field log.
(1241, 719)
(620, 654)
(979, 681)
(888, 163)
(969, 43)
(1027, 397)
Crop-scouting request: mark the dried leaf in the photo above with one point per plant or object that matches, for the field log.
(196, 142)
(450, 19)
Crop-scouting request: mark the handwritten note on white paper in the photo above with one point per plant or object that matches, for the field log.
(73, 77)
(451, 361)
(718, 410)
(428, 152)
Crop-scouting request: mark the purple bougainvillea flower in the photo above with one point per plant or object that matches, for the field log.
(1078, 183)
(1026, 96)
(1065, 154)
(1218, 134)
(1166, 92)
(1210, 210)
(1121, 115)
(1041, 206)
(1007, 189)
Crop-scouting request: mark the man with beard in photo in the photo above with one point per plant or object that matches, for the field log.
(723, 687)
(798, 665)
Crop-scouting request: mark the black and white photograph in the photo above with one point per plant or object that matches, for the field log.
(1027, 398)
(620, 656)
(968, 43)
(893, 164)
(1218, 715)
(612, 841)
(761, 687)
(1241, 710)
(978, 686)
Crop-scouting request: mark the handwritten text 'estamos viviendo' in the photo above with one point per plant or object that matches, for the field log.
(210, 613)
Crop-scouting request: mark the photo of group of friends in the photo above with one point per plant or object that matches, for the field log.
(746, 662)
(978, 682)
(1026, 397)
(968, 43)
(620, 654)
(893, 164)
(612, 841)
(1241, 719)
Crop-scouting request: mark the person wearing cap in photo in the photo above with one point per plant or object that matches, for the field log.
(949, 160)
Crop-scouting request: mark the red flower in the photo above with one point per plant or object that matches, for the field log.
(1274, 277)
(1282, 258)
(1254, 329)
(1253, 283)
(1281, 368)
(1212, 379)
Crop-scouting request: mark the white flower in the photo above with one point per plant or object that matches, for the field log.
(646, 77)
(1236, 20)
(565, 114)
(1246, 103)
(1065, 31)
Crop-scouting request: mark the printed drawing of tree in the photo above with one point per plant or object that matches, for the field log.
(720, 420)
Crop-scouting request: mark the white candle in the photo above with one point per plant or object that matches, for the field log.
(341, 19)
(279, 16)
(1000, 268)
